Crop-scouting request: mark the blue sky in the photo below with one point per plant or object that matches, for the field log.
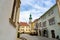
(34, 7)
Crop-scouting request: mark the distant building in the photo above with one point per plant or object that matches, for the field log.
(36, 27)
(24, 27)
(9, 18)
(49, 23)
(30, 19)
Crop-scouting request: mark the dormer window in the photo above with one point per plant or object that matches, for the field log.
(51, 12)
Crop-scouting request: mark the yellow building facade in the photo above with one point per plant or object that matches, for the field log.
(24, 28)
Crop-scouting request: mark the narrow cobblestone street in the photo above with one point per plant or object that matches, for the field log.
(29, 37)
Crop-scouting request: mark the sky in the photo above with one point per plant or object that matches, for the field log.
(34, 7)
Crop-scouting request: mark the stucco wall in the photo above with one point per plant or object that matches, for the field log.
(55, 27)
(7, 31)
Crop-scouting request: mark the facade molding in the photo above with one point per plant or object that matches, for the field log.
(13, 20)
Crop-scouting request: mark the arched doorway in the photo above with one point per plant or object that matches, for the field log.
(53, 33)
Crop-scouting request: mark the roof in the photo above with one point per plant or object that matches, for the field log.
(35, 20)
(45, 13)
(23, 24)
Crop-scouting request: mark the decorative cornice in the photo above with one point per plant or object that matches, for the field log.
(11, 21)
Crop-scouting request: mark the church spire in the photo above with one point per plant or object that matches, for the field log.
(30, 17)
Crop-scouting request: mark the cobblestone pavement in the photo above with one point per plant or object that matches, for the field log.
(29, 37)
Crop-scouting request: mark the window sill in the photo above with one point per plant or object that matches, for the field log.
(11, 21)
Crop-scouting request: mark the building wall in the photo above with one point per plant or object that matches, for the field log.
(25, 29)
(7, 31)
(55, 27)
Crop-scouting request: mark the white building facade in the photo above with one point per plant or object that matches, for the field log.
(8, 22)
(49, 23)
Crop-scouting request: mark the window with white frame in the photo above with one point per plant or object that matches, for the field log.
(40, 24)
(51, 12)
(44, 24)
(52, 21)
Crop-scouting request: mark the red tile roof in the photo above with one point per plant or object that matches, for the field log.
(23, 24)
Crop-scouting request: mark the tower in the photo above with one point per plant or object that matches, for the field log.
(30, 22)
(30, 19)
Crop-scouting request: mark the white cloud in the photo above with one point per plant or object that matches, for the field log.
(37, 10)
(25, 2)
(24, 16)
(48, 3)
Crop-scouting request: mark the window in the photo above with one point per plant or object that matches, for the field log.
(26, 29)
(40, 24)
(27, 26)
(44, 17)
(22, 26)
(44, 24)
(13, 9)
(36, 25)
(22, 29)
(50, 13)
(52, 21)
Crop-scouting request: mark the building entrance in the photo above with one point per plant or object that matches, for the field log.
(53, 33)
(45, 33)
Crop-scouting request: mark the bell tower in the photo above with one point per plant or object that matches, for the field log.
(30, 19)
(30, 22)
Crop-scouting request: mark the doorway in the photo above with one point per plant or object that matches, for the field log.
(53, 33)
(45, 33)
